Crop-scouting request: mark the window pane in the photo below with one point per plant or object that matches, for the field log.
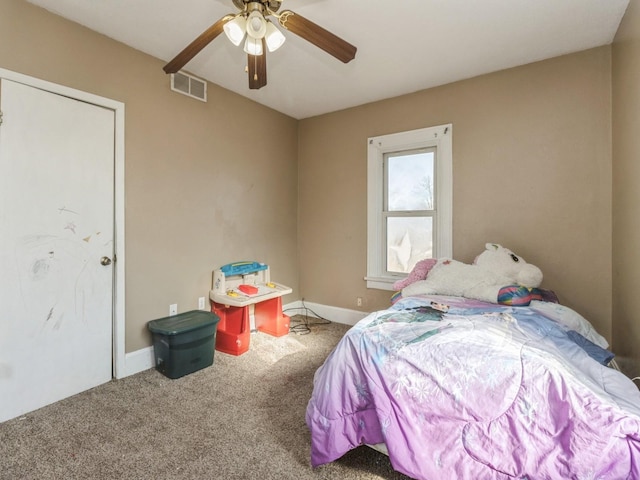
(410, 181)
(409, 239)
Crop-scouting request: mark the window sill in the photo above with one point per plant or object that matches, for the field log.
(382, 283)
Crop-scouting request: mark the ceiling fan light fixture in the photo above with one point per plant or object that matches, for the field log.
(252, 28)
(253, 46)
(235, 29)
(256, 25)
(273, 37)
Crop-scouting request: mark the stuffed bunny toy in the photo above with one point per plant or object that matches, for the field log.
(497, 275)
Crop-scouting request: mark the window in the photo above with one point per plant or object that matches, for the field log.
(409, 202)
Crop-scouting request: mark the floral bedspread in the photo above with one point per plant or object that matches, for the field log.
(481, 392)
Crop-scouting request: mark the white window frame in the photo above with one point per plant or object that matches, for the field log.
(441, 138)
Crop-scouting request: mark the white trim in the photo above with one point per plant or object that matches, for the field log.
(119, 287)
(439, 137)
(119, 290)
(316, 310)
(381, 283)
(139, 361)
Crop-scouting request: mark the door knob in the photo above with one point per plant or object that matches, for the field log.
(105, 261)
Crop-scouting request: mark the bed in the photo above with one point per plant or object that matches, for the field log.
(453, 388)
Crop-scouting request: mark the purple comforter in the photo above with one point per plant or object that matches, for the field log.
(467, 395)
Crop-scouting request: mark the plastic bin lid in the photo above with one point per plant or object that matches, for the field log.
(183, 322)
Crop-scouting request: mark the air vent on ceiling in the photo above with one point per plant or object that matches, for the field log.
(189, 85)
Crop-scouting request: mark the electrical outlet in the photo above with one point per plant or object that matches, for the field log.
(359, 301)
(173, 309)
(201, 303)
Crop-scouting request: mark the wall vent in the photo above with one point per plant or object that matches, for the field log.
(189, 85)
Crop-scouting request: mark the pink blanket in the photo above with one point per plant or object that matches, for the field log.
(473, 395)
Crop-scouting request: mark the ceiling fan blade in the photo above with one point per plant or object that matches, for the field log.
(257, 67)
(321, 38)
(198, 44)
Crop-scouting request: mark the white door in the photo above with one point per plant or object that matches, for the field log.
(56, 227)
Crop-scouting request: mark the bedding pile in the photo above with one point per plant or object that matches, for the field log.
(479, 391)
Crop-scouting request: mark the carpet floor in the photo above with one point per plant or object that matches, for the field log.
(241, 418)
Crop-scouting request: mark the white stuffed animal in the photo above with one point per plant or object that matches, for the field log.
(497, 275)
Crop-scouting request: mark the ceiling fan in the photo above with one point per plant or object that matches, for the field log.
(259, 34)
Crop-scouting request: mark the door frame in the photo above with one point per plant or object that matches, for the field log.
(118, 367)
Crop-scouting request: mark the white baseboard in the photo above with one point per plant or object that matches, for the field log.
(143, 359)
(138, 361)
(317, 310)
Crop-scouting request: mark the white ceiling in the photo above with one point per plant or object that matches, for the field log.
(403, 45)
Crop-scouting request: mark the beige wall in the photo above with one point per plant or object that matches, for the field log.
(626, 181)
(532, 170)
(200, 192)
